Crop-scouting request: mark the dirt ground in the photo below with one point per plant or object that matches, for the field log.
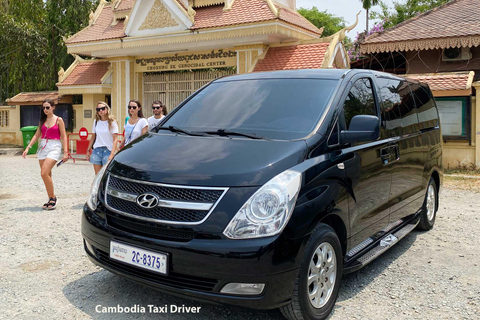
(45, 274)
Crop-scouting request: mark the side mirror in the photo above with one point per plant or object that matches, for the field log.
(363, 128)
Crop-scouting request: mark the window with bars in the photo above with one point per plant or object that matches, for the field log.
(4, 118)
(173, 87)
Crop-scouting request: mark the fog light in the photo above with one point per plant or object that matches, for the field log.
(243, 288)
(89, 248)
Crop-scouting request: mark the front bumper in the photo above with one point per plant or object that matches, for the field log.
(198, 269)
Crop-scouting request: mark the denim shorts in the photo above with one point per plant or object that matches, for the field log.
(100, 156)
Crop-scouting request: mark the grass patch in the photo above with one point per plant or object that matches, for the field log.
(462, 183)
(469, 170)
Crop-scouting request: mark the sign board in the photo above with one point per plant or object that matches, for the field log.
(87, 114)
(452, 116)
(187, 60)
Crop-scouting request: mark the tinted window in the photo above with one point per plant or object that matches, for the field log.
(409, 111)
(427, 113)
(391, 104)
(359, 101)
(274, 108)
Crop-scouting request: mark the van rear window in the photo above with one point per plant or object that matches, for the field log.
(274, 108)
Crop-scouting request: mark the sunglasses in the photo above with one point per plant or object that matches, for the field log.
(132, 107)
(48, 108)
(155, 108)
(101, 109)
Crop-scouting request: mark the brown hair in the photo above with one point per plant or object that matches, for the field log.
(43, 116)
(164, 108)
(140, 113)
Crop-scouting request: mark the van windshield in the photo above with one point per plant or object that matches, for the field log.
(281, 109)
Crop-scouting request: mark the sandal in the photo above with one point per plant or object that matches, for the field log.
(51, 204)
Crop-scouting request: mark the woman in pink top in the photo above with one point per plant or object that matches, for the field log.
(51, 130)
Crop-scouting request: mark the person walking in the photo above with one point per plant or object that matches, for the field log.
(136, 125)
(51, 130)
(104, 137)
(159, 112)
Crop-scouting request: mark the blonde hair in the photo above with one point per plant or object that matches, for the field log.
(110, 117)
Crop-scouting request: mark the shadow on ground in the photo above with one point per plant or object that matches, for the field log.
(104, 289)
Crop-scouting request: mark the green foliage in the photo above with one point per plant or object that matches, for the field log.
(404, 11)
(320, 19)
(367, 4)
(29, 30)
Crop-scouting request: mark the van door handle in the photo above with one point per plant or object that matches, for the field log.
(385, 155)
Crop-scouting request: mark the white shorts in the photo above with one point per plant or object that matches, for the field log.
(49, 149)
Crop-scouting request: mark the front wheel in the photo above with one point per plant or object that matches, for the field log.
(430, 206)
(318, 282)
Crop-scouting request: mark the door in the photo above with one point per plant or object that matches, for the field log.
(406, 192)
(368, 167)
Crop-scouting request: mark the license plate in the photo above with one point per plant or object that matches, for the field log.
(138, 257)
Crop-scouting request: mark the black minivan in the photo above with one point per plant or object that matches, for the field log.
(261, 190)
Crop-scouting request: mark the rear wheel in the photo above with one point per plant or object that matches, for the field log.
(430, 206)
(318, 281)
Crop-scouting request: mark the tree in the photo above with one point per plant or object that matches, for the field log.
(32, 45)
(329, 22)
(65, 18)
(367, 4)
(404, 11)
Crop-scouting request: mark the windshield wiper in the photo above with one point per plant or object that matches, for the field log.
(177, 129)
(225, 132)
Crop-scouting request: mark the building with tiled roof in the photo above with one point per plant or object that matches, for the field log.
(133, 49)
(440, 47)
(302, 56)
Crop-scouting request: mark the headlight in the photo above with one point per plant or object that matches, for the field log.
(267, 212)
(92, 199)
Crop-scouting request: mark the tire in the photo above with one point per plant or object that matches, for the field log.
(430, 207)
(305, 304)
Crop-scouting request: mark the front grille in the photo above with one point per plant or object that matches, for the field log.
(176, 204)
(150, 229)
(175, 280)
(157, 213)
(167, 193)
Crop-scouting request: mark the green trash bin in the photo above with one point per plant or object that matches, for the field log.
(28, 133)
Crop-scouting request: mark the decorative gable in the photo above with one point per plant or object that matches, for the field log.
(158, 17)
(155, 17)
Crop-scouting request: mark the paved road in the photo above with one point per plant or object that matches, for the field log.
(44, 273)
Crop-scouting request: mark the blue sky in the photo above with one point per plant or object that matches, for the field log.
(347, 9)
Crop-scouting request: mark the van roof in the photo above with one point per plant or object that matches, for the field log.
(333, 74)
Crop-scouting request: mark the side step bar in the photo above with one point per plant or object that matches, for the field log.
(386, 243)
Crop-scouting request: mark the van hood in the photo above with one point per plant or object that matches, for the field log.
(206, 161)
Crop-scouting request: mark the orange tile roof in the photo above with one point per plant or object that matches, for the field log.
(454, 24)
(247, 11)
(102, 29)
(125, 5)
(25, 97)
(301, 56)
(86, 73)
(242, 11)
(297, 19)
(445, 81)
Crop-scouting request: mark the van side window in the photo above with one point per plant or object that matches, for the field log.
(391, 103)
(427, 114)
(360, 100)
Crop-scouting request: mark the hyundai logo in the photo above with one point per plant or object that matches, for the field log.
(148, 200)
